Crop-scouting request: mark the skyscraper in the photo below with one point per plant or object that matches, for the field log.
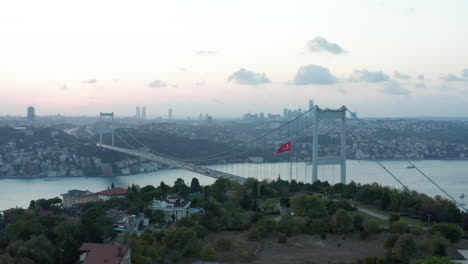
(169, 114)
(311, 106)
(138, 115)
(143, 113)
(31, 113)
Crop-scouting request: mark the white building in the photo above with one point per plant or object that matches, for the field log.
(172, 207)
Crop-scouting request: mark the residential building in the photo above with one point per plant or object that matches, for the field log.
(173, 208)
(77, 197)
(113, 192)
(93, 253)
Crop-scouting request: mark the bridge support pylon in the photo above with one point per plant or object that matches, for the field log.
(322, 114)
(101, 123)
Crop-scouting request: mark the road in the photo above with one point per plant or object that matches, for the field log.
(176, 163)
(371, 213)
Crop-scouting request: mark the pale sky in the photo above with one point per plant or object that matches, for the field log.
(380, 58)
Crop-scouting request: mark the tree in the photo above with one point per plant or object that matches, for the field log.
(405, 249)
(183, 240)
(37, 248)
(180, 187)
(370, 226)
(66, 240)
(195, 186)
(342, 222)
(288, 225)
(255, 189)
(32, 205)
(399, 227)
(308, 205)
(95, 225)
(219, 189)
(452, 232)
(358, 221)
(439, 245)
(394, 217)
(284, 202)
(266, 226)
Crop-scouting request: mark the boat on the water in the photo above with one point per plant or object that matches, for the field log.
(51, 179)
(462, 195)
(411, 167)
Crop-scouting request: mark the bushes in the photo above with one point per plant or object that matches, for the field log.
(394, 217)
(308, 205)
(265, 226)
(439, 245)
(288, 225)
(254, 234)
(452, 232)
(405, 249)
(399, 227)
(208, 253)
(370, 226)
(317, 226)
(342, 222)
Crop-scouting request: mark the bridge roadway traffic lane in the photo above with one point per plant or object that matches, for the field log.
(175, 163)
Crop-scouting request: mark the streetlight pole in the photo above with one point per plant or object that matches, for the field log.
(429, 220)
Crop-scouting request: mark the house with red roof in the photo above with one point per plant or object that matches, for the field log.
(113, 192)
(93, 253)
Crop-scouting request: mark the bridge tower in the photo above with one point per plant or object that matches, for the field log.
(322, 114)
(103, 116)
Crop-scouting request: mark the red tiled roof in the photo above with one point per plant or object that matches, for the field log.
(46, 212)
(103, 253)
(114, 191)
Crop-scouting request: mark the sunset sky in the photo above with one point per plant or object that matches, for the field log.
(380, 58)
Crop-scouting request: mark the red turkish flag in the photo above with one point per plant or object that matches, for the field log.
(285, 147)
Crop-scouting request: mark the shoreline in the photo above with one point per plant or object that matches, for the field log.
(137, 173)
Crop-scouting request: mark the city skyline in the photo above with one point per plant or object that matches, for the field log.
(381, 59)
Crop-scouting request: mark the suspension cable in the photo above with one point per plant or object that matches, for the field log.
(414, 166)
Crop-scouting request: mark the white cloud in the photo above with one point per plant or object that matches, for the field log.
(320, 44)
(243, 76)
(401, 76)
(453, 78)
(313, 74)
(368, 76)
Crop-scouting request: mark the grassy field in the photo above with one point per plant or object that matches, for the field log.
(375, 209)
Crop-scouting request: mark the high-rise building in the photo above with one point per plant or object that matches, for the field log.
(200, 117)
(31, 113)
(311, 106)
(138, 114)
(169, 114)
(143, 113)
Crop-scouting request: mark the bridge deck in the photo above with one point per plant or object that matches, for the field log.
(175, 163)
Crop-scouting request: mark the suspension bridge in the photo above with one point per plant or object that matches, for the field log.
(306, 132)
